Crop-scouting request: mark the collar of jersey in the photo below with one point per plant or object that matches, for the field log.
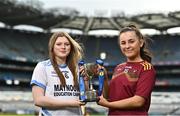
(62, 65)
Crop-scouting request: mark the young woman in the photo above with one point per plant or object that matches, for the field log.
(132, 82)
(55, 81)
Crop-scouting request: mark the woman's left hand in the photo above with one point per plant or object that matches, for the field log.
(83, 73)
(82, 70)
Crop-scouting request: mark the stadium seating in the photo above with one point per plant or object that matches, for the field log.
(32, 47)
(20, 51)
(166, 49)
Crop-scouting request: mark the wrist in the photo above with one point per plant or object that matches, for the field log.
(108, 104)
(86, 78)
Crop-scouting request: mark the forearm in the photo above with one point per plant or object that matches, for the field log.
(52, 103)
(129, 103)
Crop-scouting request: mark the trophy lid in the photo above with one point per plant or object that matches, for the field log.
(81, 62)
(100, 62)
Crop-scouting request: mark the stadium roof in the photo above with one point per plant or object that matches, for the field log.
(12, 14)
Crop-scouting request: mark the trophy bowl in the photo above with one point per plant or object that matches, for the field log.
(90, 69)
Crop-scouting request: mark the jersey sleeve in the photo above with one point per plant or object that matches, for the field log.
(146, 82)
(39, 77)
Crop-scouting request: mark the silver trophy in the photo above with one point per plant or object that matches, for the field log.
(91, 94)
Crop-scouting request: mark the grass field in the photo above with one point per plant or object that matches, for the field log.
(16, 114)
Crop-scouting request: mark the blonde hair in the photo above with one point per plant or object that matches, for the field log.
(72, 60)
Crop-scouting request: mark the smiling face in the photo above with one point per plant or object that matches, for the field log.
(130, 45)
(62, 48)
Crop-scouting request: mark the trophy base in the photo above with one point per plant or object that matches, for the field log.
(91, 96)
(90, 100)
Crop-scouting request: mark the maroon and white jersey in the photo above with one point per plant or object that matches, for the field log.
(129, 79)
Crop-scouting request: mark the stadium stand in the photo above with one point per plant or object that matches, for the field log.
(30, 47)
(20, 45)
(21, 50)
(166, 48)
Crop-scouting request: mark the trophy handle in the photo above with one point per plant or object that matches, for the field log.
(100, 76)
(82, 89)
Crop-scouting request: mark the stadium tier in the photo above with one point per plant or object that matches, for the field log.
(23, 46)
(21, 50)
